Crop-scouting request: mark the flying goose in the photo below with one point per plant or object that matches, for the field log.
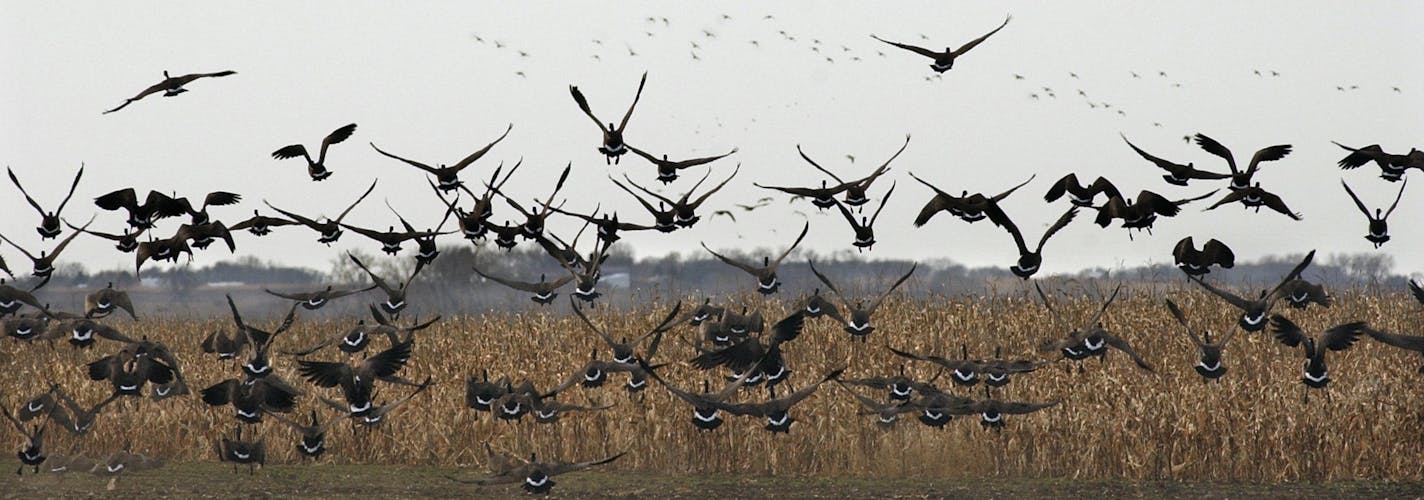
(481, 394)
(1029, 260)
(1407, 342)
(664, 217)
(357, 381)
(1256, 197)
(395, 295)
(963, 371)
(858, 326)
(586, 276)
(44, 262)
(357, 338)
(82, 332)
(623, 350)
(898, 387)
(776, 411)
(127, 371)
(316, 168)
(126, 242)
(251, 398)
(533, 226)
(995, 372)
(1392, 166)
(312, 443)
(472, 222)
(198, 216)
(1177, 174)
(141, 216)
(33, 453)
(608, 226)
(1142, 212)
(448, 177)
(544, 291)
(312, 301)
(855, 191)
(667, 169)
(1254, 312)
(886, 413)
(706, 312)
(754, 357)
(864, 229)
(535, 477)
(1079, 194)
(390, 239)
(49, 221)
(1241, 179)
(256, 336)
(705, 415)
(1198, 262)
(376, 415)
(75, 419)
(969, 208)
(824, 197)
(1209, 364)
(767, 283)
(170, 86)
(816, 306)
(260, 225)
(12, 298)
(39, 406)
(991, 411)
(685, 211)
(1300, 294)
(1315, 374)
(1090, 339)
(1379, 225)
(330, 229)
(253, 453)
(101, 302)
(24, 328)
(943, 61)
(613, 146)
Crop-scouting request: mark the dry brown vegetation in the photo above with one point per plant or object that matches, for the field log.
(1115, 421)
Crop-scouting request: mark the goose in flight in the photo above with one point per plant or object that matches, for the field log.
(943, 61)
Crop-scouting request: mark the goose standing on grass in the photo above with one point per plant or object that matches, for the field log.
(1029, 260)
(1379, 225)
(1392, 166)
(855, 191)
(1315, 374)
(858, 326)
(1198, 262)
(329, 229)
(1177, 174)
(943, 61)
(1209, 364)
(49, 221)
(316, 168)
(667, 169)
(970, 208)
(864, 229)
(448, 177)
(1078, 194)
(170, 86)
(767, 282)
(1254, 312)
(1241, 179)
(613, 147)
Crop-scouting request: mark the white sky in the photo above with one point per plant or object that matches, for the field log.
(419, 85)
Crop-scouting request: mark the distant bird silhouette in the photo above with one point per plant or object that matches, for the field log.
(170, 86)
(943, 61)
(1379, 225)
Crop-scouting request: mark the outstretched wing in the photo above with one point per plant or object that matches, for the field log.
(972, 43)
(881, 298)
(918, 50)
(639, 95)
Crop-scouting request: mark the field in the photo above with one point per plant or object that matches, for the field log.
(1116, 423)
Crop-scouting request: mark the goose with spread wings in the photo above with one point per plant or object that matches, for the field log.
(858, 326)
(864, 228)
(613, 146)
(1029, 260)
(170, 86)
(330, 229)
(943, 61)
(1177, 174)
(1254, 312)
(667, 169)
(1379, 222)
(1241, 179)
(856, 191)
(49, 221)
(1209, 364)
(767, 282)
(1078, 194)
(970, 208)
(316, 169)
(448, 176)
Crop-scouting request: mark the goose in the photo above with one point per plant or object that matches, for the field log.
(260, 225)
(44, 262)
(1209, 364)
(992, 411)
(1392, 166)
(358, 338)
(705, 415)
(24, 328)
(1142, 212)
(685, 211)
(11, 299)
(858, 326)
(855, 191)
(664, 219)
(312, 301)
(199, 216)
(754, 358)
(995, 372)
(613, 146)
(562, 250)
(1029, 260)
(707, 311)
(505, 235)
(49, 221)
(390, 239)
(141, 216)
(33, 453)
(534, 477)
(122, 462)
(1241, 179)
(667, 169)
(75, 419)
(170, 86)
(39, 406)
(533, 226)
(481, 394)
(1254, 312)
(1078, 194)
(472, 222)
(1300, 294)
(376, 415)
(776, 411)
(963, 371)
(824, 197)
(816, 306)
(203, 235)
(126, 242)
(586, 276)
(1256, 197)
(448, 177)
(60, 464)
(1379, 225)
(82, 333)
(260, 338)
(624, 350)
(937, 407)
(313, 440)
(1407, 342)
(1090, 339)
(547, 411)
(943, 61)
(329, 229)
(608, 226)
(544, 291)
(1315, 374)
(767, 282)
(594, 373)
(1177, 174)
(316, 169)
(225, 346)
(357, 381)
(127, 371)
(969, 208)
(864, 229)
(1198, 262)
(100, 303)
(886, 413)
(898, 387)
(395, 295)
(253, 453)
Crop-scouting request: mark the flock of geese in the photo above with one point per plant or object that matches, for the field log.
(751, 350)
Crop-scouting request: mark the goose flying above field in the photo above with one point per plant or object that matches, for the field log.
(750, 355)
(395, 295)
(253, 453)
(357, 381)
(1379, 222)
(330, 229)
(859, 323)
(1256, 197)
(448, 177)
(1241, 179)
(141, 216)
(767, 283)
(776, 411)
(855, 191)
(170, 86)
(1198, 262)
(316, 169)
(1090, 339)
(1392, 166)
(898, 387)
(1029, 260)
(126, 242)
(251, 398)
(49, 221)
(943, 61)
(544, 290)
(1079, 194)
(536, 477)
(1254, 312)
(685, 211)
(864, 228)
(667, 169)
(1209, 364)
(103, 301)
(624, 350)
(33, 452)
(260, 225)
(313, 440)
(608, 225)
(44, 262)
(1142, 212)
(181, 206)
(969, 208)
(1177, 174)
(1315, 374)
(312, 301)
(1299, 293)
(613, 146)
(705, 415)
(664, 217)
(533, 226)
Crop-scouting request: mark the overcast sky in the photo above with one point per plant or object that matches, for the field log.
(419, 84)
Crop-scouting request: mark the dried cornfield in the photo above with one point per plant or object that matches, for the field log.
(1115, 421)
